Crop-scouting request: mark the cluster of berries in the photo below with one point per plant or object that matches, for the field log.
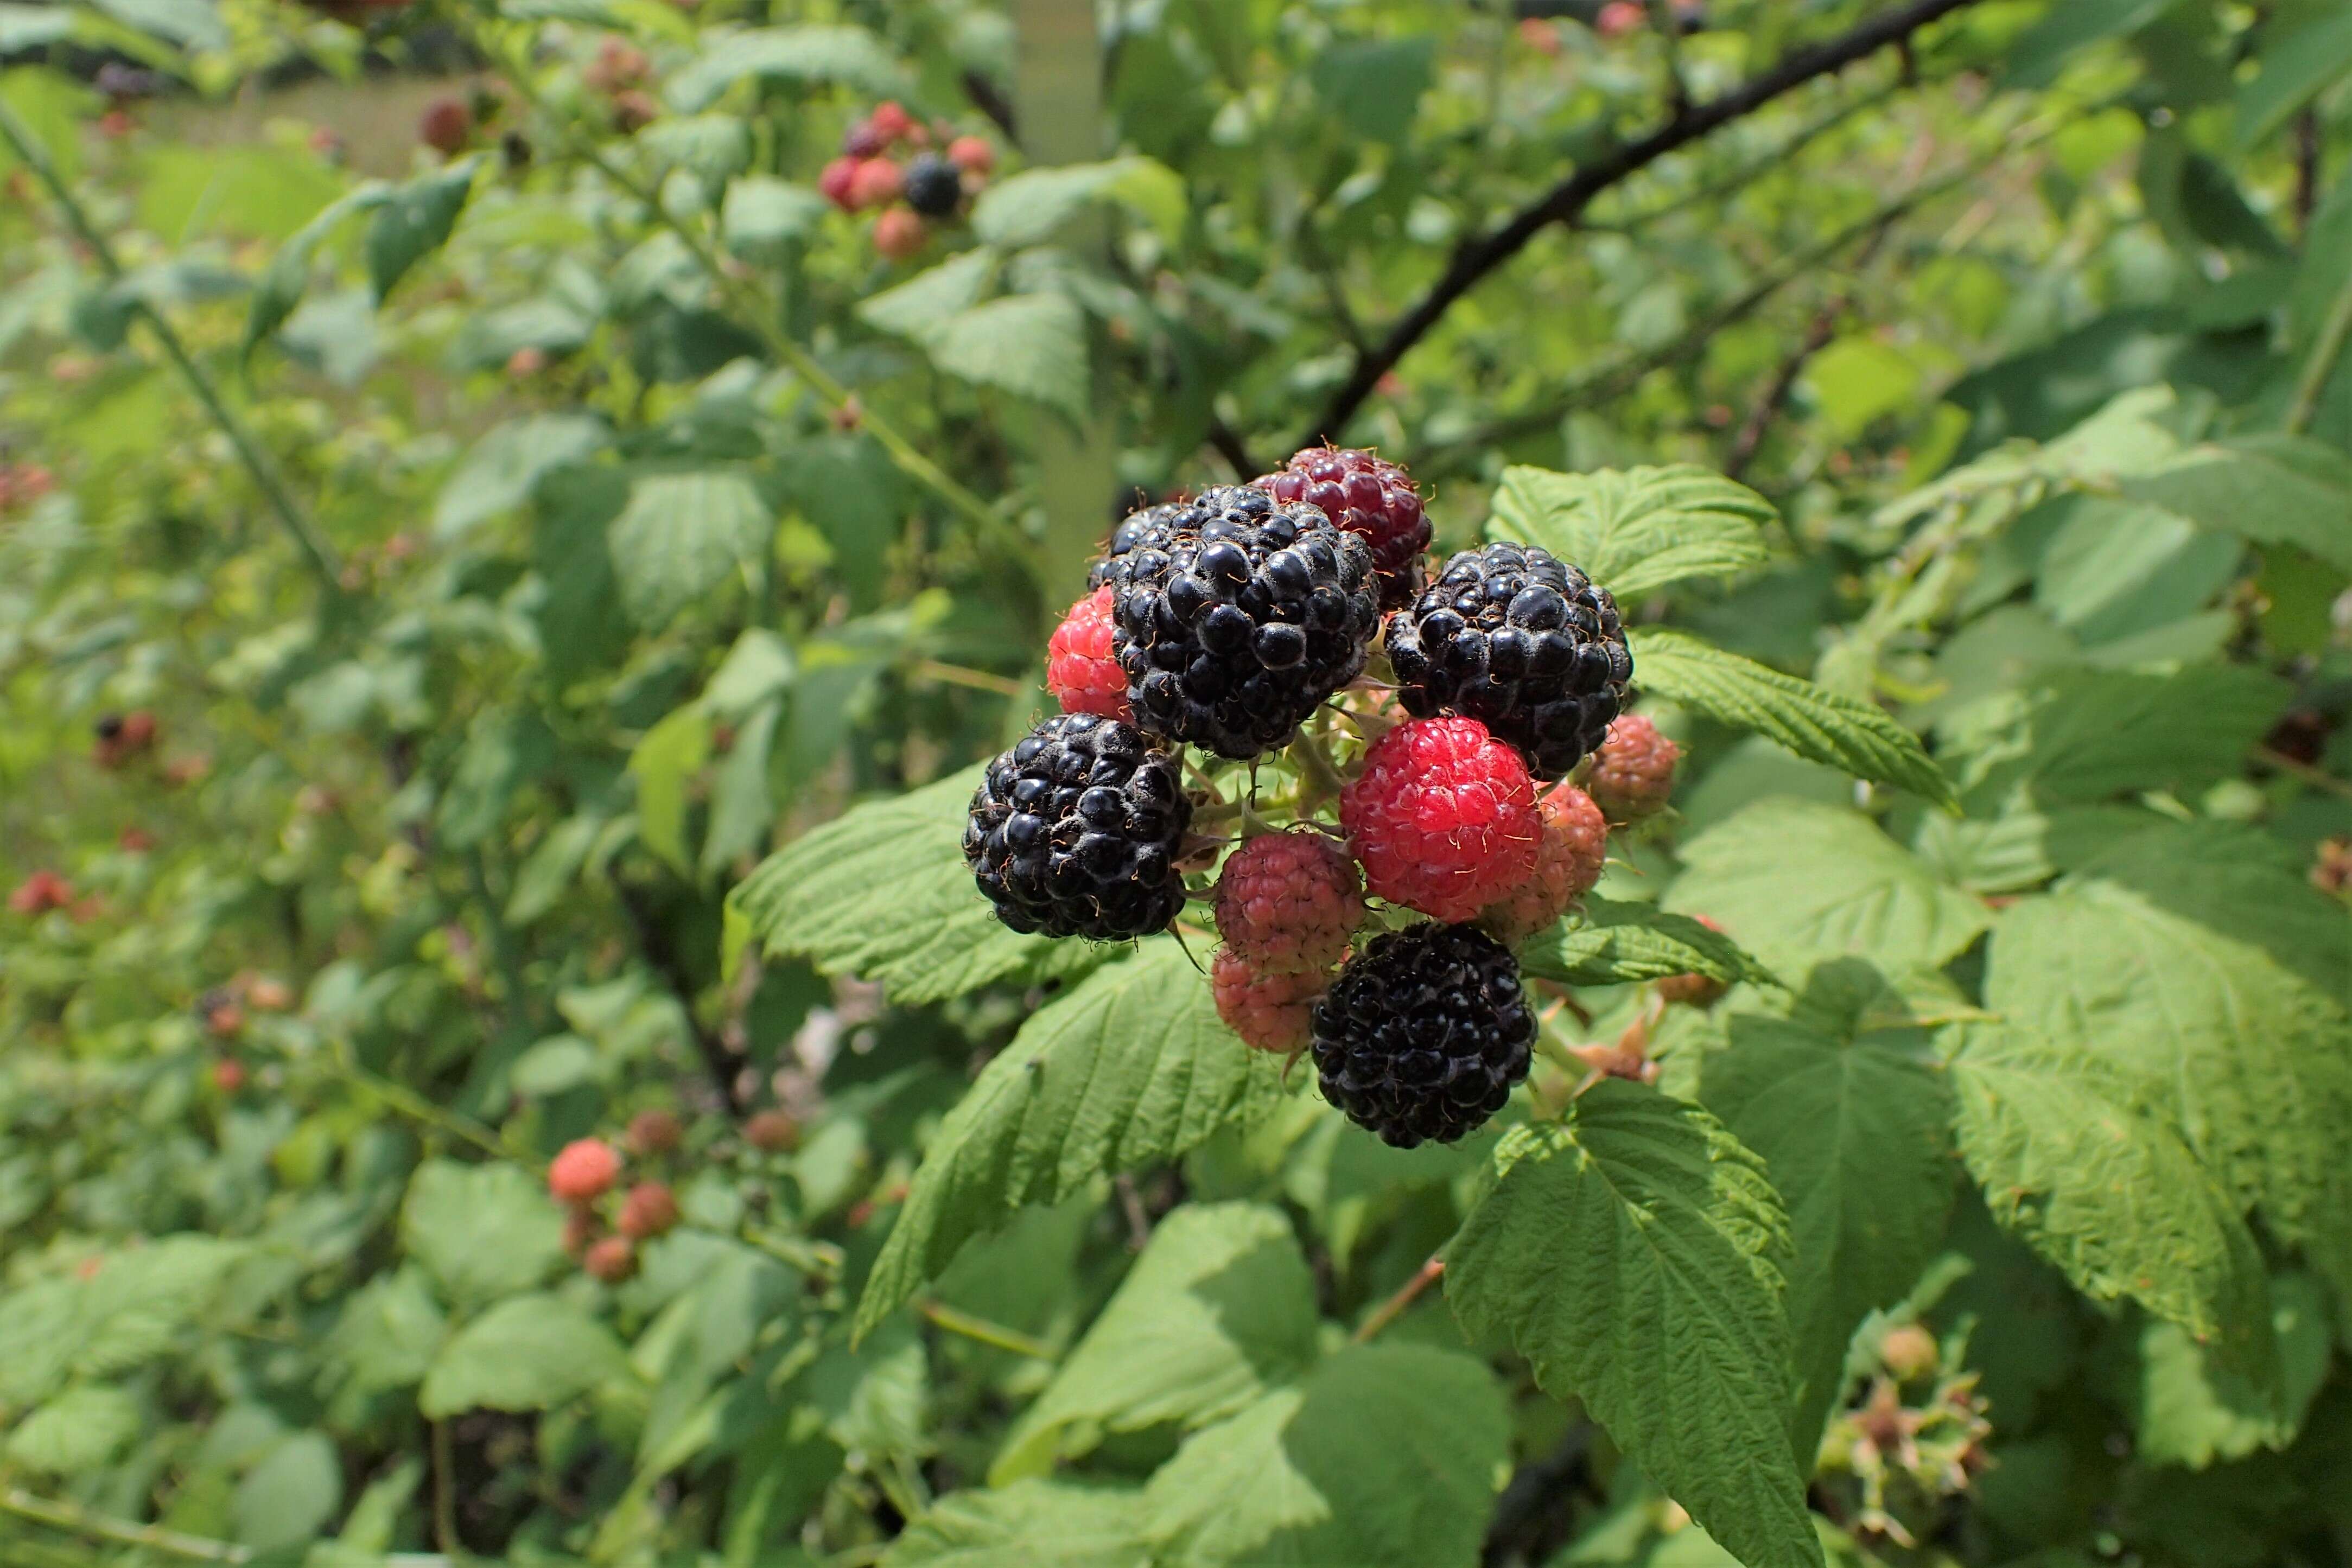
(587, 1169)
(41, 891)
(1914, 1441)
(1229, 621)
(117, 738)
(929, 184)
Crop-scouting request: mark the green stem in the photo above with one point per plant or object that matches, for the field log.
(2324, 354)
(316, 552)
(78, 1521)
(752, 308)
(1388, 1312)
(986, 1332)
(417, 1108)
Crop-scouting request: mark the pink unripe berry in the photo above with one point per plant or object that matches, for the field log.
(583, 1172)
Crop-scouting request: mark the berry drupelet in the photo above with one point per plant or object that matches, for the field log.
(1424, 1036)
(1519, 640)
(1364, 494)
(1238, 626)
(1074, 832)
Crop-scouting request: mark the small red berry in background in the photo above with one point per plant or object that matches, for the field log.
(40, 893)
(1080, 669)
(772, 1131)
(654, 1131)
(835, 182)
(632, 110)
(610, 1259)
(580, 1232)
(228, 1074)
(890, 122)
(972, 154)
(648, 1211)
(1567, 866)
(584, 1171)
(223, 1016)
(1288, 903)
(1269, 1012)
(1632, 774)
(874, 182)
(1540, 34)
(134, 840)
(1620, 17)
(446, 126)
(1444, 818)
(900, 233)
(1694, 990)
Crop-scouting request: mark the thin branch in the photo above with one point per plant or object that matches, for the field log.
(1565, 202)
(2306, 169)
(444, 1490)
(1669, 29)
(1752, 430)
(984, 1331)
(1388, 1312)
(1230, 447)
(1533, 1516)
(660, 950)
(75, 1520)
(317, 553)
(2321, 367)
(989, 99)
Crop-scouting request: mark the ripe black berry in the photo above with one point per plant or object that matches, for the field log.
(934, 186)
(1519, 640)
(1239, 620)
(1424, 1035)
(1074, 832)
(1153, 525)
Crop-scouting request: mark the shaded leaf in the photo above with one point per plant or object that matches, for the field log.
(814, 52)
(414, 221)
(682, 535)
(1029, 1524)
(1608, 943)
(527, 1353)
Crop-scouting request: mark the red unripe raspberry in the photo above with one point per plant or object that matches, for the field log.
(268, 994)
(634, 109)
(863, 141)
(874, 183)
(40, 893)
(1289, 903)
(1694, 989)
(648, 1211)
(138, 729)
(772, 1131)
(1540, 34)
(612, 1260)
(889, 120)
(972, 154)
(1444, 817)
(584, 1172)
(1364, 494)
(1270, 1012)
(1080, 669)
(654, 1131)
(228, 1075)
(835, 182)
(1568, 865)
(900, 233)
(1619, 17)
(446, 125)
(1634, 772)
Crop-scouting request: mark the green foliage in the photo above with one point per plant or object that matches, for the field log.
(573, 582)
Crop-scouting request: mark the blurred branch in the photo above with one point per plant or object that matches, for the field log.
(2306, 169)
(1566, 202)
(1388, 1312)
(658, 943)
(2326, 354)
(317, 554)
(75, 1519)
(1228, 442)
(1536, 1510)
(1752, 430)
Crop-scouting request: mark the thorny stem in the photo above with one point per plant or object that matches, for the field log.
(317, 553)
(750, 304)
(1388, 1312)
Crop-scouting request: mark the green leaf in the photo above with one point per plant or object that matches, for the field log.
(1032, 207)
(2110, 1197)
(496, 475)
(763, 215)
(291, 1496)
(934, 937)
(288, 278)
(2190, 1410)
(1131, 1067)
(1374, 86)
(481, 1231)
(663, 765)
(1029, 1524)
(804, 55)
(760, 665)
(527, 1353)
(1220, 1307)
(194, 23)
(2079, 736)
(1800, 880)
(1608, 943)
(414, 221)
(1637, 530)
(1635, 1255)
(2272, 489)
(77, 1432)
(2298, 65)
(388, 1331)
(682, 535)
(1856, 1132)
(916, 309)
(2251, 1065)
(1032, 345)
(1386, 1456)
(2036, 59)
(1817, 723)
